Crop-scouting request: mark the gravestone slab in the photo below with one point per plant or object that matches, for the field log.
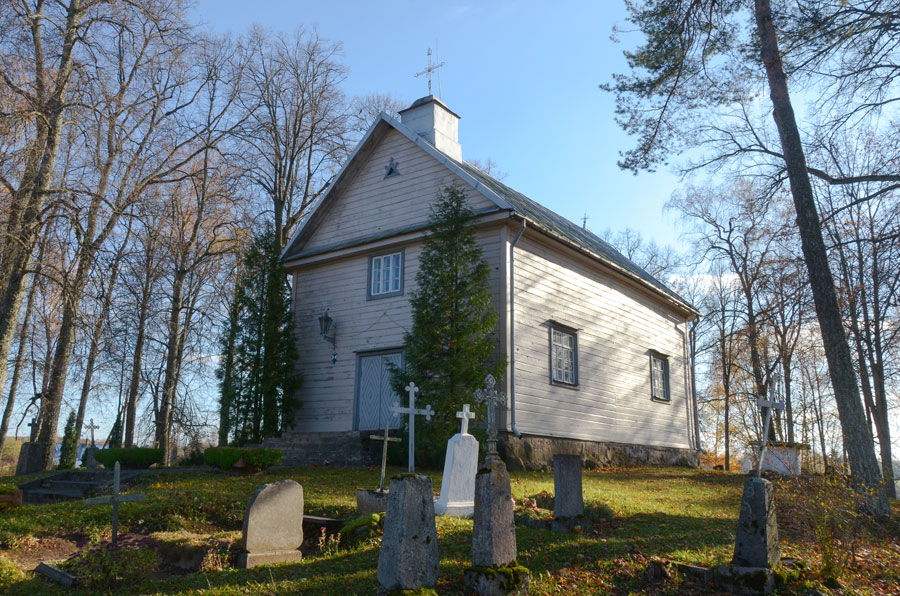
(568, 504)
(31, 459)
(89, 459)
(409, 558)
(273, 525)
(494, 571)
(494, 529)
(757, 544)
(458, 484)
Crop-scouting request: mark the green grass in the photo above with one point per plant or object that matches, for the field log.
(671, 513)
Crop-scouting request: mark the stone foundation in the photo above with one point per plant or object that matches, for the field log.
(353, 448)
(531, 452)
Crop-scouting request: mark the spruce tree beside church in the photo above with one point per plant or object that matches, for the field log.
(451, 347)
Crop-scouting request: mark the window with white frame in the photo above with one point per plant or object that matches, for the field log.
(659, 376)
(386, 275)
(563, 355)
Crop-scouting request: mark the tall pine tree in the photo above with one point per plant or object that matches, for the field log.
(450, 348)
(69, 448)
(256, 375)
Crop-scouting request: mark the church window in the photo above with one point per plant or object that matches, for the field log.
(659, 376)
(563, 355)
(386, 275)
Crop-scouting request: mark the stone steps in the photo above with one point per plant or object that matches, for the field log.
(73, 485)
(337, 448)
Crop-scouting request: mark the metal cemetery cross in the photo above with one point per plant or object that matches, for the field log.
(492, 398)
(34, 429)
(386, 438)
(92, 427)
(769, 404)
(465, 415)
(115, 499)
(413, 412)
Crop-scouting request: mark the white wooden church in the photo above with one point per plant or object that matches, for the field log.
(598, 351)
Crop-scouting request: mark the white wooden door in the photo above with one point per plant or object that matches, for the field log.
(376, 398)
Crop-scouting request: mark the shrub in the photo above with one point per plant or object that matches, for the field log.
(130, 457)
(226, 458)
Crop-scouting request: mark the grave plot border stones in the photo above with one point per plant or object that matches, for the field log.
(273, 537)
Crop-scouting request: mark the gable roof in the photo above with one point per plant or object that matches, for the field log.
(504, 197)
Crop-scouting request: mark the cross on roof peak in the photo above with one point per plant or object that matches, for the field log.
(429, 70)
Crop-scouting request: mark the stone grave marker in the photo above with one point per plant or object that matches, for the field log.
(273, 525)
(494, 571)
(757, 543)
(375, 501)
(408, 559)
(568, 504)
(460, 465)
(411, 389)
(115, 499)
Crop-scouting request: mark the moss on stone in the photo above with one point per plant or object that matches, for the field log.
(416, 592)
(512, 576)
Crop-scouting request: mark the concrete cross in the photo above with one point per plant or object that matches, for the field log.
(34, 429)
(115, 499)
(492, 398)
(465, 415)
(767, 405)
(413, 412)
(91, 427)
(387, 438)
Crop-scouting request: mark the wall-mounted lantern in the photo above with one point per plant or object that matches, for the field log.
(328, 330)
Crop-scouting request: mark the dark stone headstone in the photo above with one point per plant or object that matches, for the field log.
(90, 462)
(756, 544)
(494, 571)
(31, 459)
(409, 558)
(494, 528)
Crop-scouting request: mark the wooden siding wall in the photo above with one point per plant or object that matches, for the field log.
(372, 203)
(617, 325)
(329, 390)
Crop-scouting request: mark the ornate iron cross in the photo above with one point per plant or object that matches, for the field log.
(768, 405)
(92, 427)
(492, 398)
(429, 70)
(413, 412)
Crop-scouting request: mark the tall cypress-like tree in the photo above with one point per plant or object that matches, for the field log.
(69, 448)
(450, 349)
(256, 375)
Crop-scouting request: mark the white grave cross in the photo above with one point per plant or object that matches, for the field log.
(115, 499)
(492, 398)
(413, 412)
(465, 416)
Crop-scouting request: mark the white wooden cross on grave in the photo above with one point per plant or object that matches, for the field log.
(115, 499)
(91, 427)
(386, 438)
(465, 415)
(769, 405)
(413, 412)
(492, 398)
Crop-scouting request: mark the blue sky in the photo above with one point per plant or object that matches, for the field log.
(523, 76)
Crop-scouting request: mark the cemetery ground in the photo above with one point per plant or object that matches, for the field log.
(643, 519)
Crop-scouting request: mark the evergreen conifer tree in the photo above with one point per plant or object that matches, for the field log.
(69, 448)
(256, 375)
(115, 433)
(450, 348)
